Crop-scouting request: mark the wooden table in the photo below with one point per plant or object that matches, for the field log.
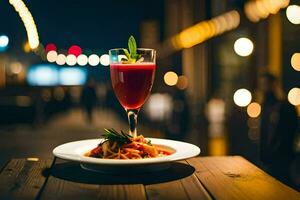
(197, 178)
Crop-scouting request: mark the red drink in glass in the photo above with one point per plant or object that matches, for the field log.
(132, 83)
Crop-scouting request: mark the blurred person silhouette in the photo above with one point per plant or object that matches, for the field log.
(278, 126)
(179, 123)
(88, 99)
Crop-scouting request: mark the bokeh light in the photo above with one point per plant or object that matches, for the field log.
(4, 40)
(295, 61)
(182, 82)
(51, 56)
(170, 78)
(72, 76)
(28, 21)
(205, 30)
(254, 109)
(26, 47)
(94, 60)
(71, 60)
(16, 67)
(104, 60)
(261, 9)
(294, 96)
(50, 47)
(243, 47)
(42, 75)
(293, 14)
(159, 106)
(242, 97)
(82, 60)
(61, 59)
(75, 50)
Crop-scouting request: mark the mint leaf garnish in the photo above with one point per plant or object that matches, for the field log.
(132, 55)
(127, 53)
(132, 46)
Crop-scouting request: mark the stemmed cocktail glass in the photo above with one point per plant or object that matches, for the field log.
(132, 81)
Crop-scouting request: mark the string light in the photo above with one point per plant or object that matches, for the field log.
(51, 56)
(82, 60)
(205, 30)
(27, 19)
(71, 60)
(261, 9)
(104, 60)
(61, 59)
(93, 60)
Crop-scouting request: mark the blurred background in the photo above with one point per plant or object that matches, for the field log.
(219, 63)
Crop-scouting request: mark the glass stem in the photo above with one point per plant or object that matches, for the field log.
(132, 120)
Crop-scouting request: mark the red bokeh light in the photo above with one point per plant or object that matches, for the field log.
(75, 50)
(50, 47)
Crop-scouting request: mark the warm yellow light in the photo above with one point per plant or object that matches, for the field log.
(232, 19)
(32, 159)
(243, 47)
(26, 47)
(223, 24)
(204, 30)
(295, 61)
(170, 78)
(254, 110)
(104, 60)
(61, 59)
(293, 14)
(283, 3)
(71, 60)
(260, 9)
(51, 56)
(182, 82)
(217, 146)
(16, 67)
(26, 17)
(272, 6)
(94, 60)
(242, 97)
(82, 60)
(294, 96)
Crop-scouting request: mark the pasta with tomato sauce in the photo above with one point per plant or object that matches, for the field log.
(131, 148)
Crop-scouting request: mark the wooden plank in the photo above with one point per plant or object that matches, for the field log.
(23, 179)
(69, 181)
(236, 178)
(185, 188)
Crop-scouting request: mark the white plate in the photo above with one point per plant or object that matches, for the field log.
(74, 151)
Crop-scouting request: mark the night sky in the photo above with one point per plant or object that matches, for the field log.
(94, 25)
